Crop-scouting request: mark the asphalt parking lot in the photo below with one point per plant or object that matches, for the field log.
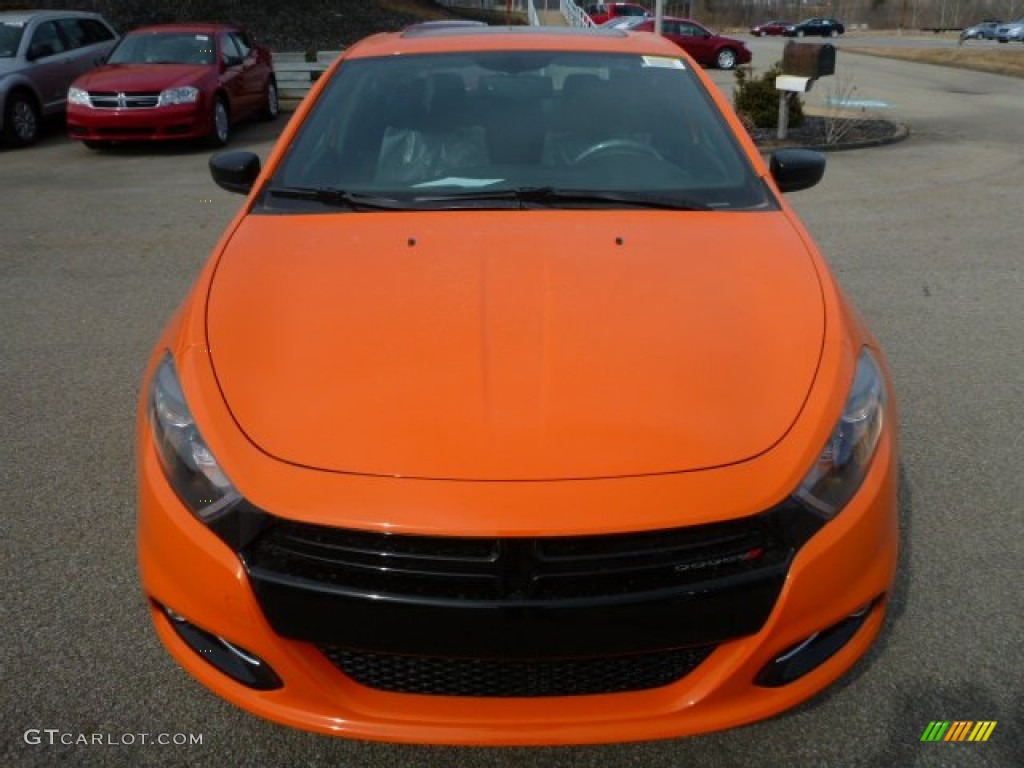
(96, 250)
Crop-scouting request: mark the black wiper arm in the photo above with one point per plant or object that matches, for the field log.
(636, 199)
(553, 196)
(340, 198)
(520, 197)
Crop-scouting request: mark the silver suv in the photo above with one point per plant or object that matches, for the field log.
(1012, 31)
(41, 52)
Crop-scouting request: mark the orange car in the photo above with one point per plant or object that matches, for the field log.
(516, 407)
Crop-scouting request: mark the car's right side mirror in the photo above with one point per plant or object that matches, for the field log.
(796, 169)
(235, 171)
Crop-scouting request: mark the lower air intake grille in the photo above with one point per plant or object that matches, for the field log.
(515, 678)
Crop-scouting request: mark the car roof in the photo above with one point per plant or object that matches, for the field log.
(676, 19)
(23, 17)
(445, 24)
(523, 38)
(187, 27)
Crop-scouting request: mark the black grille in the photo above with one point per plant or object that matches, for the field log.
(517, 678)
(516, 568)
(517, 599)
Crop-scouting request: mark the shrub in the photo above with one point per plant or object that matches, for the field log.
(757, 101)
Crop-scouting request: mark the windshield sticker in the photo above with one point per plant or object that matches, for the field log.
(663, 61)
(204, 38)
(452, 181)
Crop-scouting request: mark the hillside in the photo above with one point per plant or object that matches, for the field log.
(284, 25)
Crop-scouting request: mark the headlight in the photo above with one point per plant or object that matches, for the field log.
(186, 95)
(187, 462)
(844, 462)
(79, 97)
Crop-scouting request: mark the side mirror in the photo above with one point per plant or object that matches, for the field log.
(235, 171)
(796, 169)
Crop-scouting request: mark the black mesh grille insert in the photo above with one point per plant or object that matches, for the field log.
(515, 678)
(431, 602)
(516, 568)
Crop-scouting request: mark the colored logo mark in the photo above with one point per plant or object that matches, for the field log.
(958, 730)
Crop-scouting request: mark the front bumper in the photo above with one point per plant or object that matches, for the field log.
(170, 123)
(846, 567)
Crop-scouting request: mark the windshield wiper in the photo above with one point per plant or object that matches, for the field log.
(521, 197)
(339, 198)
(552, 196)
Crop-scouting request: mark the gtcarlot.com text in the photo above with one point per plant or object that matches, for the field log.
(52, 737)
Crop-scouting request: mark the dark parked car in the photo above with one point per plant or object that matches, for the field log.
(41, 52)
(706, 47)
(985, 30)
(771, 28)
(180, 81)
(816, 26)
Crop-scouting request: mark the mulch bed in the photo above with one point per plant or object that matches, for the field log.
(847, 133)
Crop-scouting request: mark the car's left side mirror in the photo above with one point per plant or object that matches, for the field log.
(796, 169)
(235, 171)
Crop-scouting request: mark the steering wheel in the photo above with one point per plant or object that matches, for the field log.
(617, 147)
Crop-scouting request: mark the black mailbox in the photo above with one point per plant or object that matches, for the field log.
(809, 60)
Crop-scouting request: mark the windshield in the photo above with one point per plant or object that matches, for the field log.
(164, 48)
(10, 36)
(555, 129)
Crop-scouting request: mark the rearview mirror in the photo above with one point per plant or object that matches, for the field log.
(235, 171)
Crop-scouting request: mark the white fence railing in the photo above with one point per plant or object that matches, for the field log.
(574, 14)
(531, 14)
(295, 75)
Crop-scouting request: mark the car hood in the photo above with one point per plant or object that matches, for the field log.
(515, 346)
(730, 41)
(141, 77)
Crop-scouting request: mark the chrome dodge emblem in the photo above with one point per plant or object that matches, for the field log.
(122, 102)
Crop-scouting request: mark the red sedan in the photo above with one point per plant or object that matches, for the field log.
(706, 47)
(770, 28)
(181, 81)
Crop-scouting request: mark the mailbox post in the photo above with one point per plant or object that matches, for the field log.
(802, 64)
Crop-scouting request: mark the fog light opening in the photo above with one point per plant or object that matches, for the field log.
(237, 663)
(813, 651)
